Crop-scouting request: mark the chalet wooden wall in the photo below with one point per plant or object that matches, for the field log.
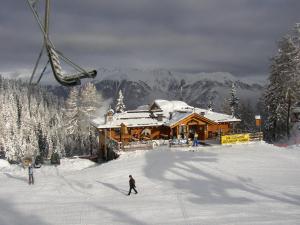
(214, 130)
(205, 128)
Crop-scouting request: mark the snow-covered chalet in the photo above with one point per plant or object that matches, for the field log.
(163, 120)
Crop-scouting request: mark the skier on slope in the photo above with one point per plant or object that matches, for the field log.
(131, 185)
(30, 173)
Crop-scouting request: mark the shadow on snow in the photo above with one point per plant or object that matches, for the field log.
(197, 173)
(10, 215)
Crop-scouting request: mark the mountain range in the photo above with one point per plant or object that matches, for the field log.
(141, 87)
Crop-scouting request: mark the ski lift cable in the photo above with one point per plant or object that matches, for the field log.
(44, 34)
(42, 73)
(36, 65)
(53, 55)
(48, 41)
(37, 18)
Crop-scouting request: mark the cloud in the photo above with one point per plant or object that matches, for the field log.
(237, 36)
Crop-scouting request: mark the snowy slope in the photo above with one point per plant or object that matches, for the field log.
(251, 184)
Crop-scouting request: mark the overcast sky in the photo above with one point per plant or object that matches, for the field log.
(236, 36)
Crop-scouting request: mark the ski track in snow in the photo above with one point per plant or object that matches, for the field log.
(255, 184)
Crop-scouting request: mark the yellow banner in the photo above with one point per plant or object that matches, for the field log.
(234, 138)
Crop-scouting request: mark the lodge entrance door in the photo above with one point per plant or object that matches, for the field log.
(199, 129)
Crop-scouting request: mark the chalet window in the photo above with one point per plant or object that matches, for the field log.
(191, 131)
(117, 131)
(182, 129)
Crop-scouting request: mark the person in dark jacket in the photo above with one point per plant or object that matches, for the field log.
(131, 185)
(30, 173)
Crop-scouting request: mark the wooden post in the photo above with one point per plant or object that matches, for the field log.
(105, 144)
(288, 115)
(258, 122)
(205, 132)
(187, 132)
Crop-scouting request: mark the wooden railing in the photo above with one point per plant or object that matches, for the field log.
(258, 136)
(241, 138)
(138, 145)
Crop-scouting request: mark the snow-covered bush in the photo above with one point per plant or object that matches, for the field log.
(55, 159)
(38, 160)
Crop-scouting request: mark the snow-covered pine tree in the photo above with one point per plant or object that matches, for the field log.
(2, 124)
(120, 106)
(71, 112)
(90, 101)
(210, 105)
(247, 115)
(11, 138)
(25, 114)
(27, 134)
(233, 101)
(72, 123)
(284, 88)
(42, 142)
(225, 106)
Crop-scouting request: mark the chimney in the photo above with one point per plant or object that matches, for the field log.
(159, 117)
(170, 115)
(109, 115)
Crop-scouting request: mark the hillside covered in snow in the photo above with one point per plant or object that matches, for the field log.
(250, 184)
(143, 86)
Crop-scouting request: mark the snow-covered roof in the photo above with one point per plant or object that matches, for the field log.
(130, 119)
(146, 117)
(171, 106)
(177, 116)
(131, 123)
(143, 107)
(216, 117)
(185, 109)
(97, 121)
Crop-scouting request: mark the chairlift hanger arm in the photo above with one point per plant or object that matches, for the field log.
(53, 55)
(36, 64)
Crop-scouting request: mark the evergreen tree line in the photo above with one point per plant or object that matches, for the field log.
(282, 93)
(33, 123)
(283, 90)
